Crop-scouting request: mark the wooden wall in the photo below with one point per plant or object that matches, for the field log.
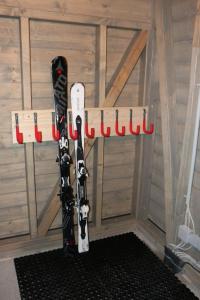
(181, 21)
(13, 196)
(32, 33)
(48, 40)
(130, 177)
(119, 153)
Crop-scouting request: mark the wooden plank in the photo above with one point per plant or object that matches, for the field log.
(13, 202)
(144, 146)
(25, 246)
(167, 102)
(135, 14)
(49, 210)
(14, 227)
(27, 103)
(18, 185)
(10, 171)
(13, 213)
(113, 205)
(183, 9)
(189, 124)
(102, 8)
(118, 159)
(125, 68)
(47, 32)
(53, 205)
(13, 199)
(128, 97)
(44, 121)
(184, 48)
(101, 62)
(117, 43)
(180, 35)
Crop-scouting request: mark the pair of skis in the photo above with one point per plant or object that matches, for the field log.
(59, 78)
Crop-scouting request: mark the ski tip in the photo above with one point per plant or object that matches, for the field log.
(77, 86)
(57, 59)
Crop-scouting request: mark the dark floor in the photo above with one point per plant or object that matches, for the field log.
(120, 267)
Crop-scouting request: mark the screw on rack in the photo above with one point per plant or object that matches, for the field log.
(108, 129)
(132, 131)
(19, 135)
(123, 129)
(73, 135)
(90, 134)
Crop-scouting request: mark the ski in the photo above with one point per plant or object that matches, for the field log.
(77, 103)
(59, 121)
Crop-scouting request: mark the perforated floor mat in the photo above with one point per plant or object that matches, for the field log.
(120, 267)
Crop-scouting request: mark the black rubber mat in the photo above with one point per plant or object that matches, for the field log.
(121, 267)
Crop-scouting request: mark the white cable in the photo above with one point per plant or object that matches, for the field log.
(189, 221)
(194, 150)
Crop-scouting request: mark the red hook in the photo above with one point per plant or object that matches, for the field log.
(55, 132)
(108, 130)
(73, 135)
(90, 134)
(137, 132)
(145, 130)
(19, 135)
(38, 134)
(123, 130)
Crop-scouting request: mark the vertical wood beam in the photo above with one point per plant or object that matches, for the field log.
(144, 146)
(186, 154)
(27, 104)
(101, 54)
(163, 33)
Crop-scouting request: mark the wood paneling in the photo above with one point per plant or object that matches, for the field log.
(167, 105)
(182, 33)
(117, 195)
(189, 134)
(47, 41)
(101, 78)
(29, 173)
(135, 51)
(13, 198)
(128, 14)
(27, 104)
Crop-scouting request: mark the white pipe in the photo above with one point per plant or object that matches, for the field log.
(194, 151)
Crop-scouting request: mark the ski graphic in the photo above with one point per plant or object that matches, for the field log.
(77, 103)
(59, 120)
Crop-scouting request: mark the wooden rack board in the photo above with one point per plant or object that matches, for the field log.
(44, 121)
